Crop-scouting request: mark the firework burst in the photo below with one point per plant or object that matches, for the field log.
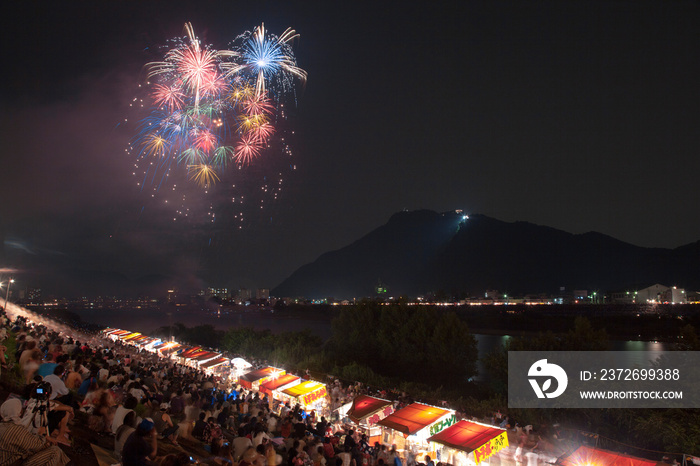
(202, 174)
(266, 57)
(211, 109)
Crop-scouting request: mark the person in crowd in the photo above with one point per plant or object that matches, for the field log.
(241, 443)
(10, 411)
(199, 427)
(259, 435)
(346, 456)
(27, 352)
(177, 404)
(127, 427)
(121, 412)
(59, 391)
(137, 392)
(17, 444)
(164, 424)
(89, 384)
(271, 455)
(191, 413)
(73, 379)
(47, 366)
(212, 431)
(141, 447)
(31, 366)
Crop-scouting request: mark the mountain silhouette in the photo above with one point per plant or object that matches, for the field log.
(423, 251)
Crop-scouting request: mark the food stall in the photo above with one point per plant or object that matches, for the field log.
(112, 333)
(366, 411)
(192, 357)
(584, 456)
(410, 427)
(239, 367)
(469, 443)
(219, 365)
(151, 345)
(186, 353)
(280, 383)
(129, 337)
(205, 356)
(169, 349)
(311, 395)
(253, 380)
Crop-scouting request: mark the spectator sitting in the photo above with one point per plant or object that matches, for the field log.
(141, 446)
(164, 425)
(121, 412)
(59, 391)
(199, 426)
(123, 432)
(17, 444)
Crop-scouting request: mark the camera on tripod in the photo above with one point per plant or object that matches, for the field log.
(42, 391)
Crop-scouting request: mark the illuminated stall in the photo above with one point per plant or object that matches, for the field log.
(117, 334)
(159, 345)
(310, 395)
(139, 340)
(220, 365)
(468, 443)
(239, 367)
(366, 411)
(169, 349)
(151, 345)
(253, 380)
(584, 456)
(410, 427)
(188, 352)
(197, 359)
(280, 383)
(129, 337)
(205, 356)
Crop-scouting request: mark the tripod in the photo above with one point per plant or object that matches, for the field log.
(41, 410)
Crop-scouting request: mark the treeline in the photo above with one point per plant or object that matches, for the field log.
(295, 350)
(415, 343)
(382, 345)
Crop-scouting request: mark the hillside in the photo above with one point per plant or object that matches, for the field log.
(425, 251)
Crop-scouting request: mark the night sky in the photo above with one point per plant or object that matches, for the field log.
(577, 115)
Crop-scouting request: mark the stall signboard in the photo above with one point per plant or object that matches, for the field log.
(443, 424)
(306, 393)
(491, 447)
(312, 397)
(378, 416)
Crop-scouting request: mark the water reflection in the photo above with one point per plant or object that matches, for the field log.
(490, 343)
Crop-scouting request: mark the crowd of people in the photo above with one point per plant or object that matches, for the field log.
(138, 399)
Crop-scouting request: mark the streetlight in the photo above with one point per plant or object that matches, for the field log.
(7, 294)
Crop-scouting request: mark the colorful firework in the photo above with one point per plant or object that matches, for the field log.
(204, 175)
(211, 107)
(266, 57)
(247, 149)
